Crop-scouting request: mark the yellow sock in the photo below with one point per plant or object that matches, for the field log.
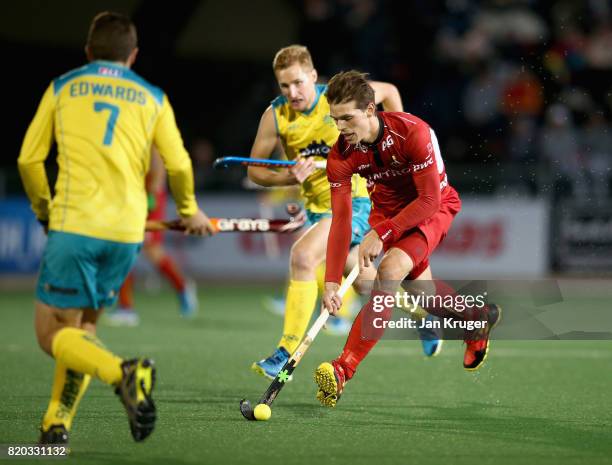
(301, 299)
(347, 300)
(68, 389)
(83, 352)
(320, 275)
(419, 313)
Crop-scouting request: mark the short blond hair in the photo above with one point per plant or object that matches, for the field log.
(290, 55)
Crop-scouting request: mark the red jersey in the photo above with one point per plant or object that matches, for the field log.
(406, 180)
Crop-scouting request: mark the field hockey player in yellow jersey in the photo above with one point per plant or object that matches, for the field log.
(300, 119)
(104, 119)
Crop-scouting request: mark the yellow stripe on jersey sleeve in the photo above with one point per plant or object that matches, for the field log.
(105, 119)
(167, 139)
(34, 152)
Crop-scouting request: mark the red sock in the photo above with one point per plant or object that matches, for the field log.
(168, 268)
(443, 290)
(446, 292)
(364, 335)
(126, 295)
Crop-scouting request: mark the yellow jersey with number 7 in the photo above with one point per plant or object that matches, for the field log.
(104, 118)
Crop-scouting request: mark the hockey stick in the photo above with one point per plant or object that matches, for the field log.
(226, 162)
(251, 225)
(283, 376)
(226, 225)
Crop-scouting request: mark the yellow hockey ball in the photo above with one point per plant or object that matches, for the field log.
(262, 412)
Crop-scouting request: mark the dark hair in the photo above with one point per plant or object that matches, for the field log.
(112, 37)
(350, 85)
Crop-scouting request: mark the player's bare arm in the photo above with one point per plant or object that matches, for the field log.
(31, 161)
(387, 95)
(265, 143)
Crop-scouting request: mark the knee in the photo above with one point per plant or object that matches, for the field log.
(89, 320)
(363, 286)
(89, 327)
(49, 321)
(420, 287)
(45, 340)
(389, 276)
(364, 283)
(303, 260)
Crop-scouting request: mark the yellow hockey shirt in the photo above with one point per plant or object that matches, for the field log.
(311, 134)
(104, 118)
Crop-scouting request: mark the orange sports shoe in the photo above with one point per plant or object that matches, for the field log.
(476, 349)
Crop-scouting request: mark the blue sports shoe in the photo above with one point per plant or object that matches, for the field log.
(338, 326)
(431, 338)
(188, 300)
(275, 305)
(269, 367)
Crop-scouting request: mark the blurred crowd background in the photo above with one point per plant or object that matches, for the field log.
(519, 92)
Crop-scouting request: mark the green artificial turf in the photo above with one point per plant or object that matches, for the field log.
(544, 402)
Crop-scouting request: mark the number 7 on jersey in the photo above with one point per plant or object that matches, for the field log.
(112, 119)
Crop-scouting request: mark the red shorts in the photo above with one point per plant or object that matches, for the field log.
(420, 242)
(158, 213)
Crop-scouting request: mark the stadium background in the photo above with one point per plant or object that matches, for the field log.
(519, 93)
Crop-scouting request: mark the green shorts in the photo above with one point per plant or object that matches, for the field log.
(359, 223)
(83, 272)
